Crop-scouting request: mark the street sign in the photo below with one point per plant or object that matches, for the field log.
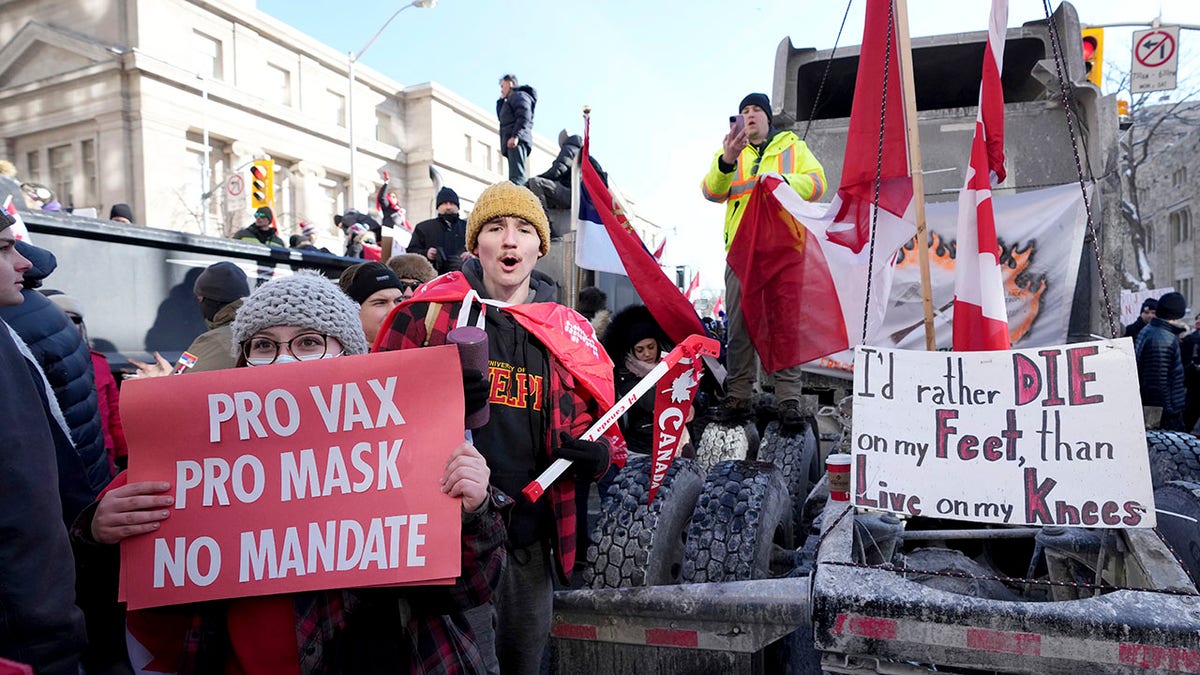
(235, 185)
(1155, 59)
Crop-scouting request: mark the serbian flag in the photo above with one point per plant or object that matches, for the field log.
(693, 287)
(674, 314)
(810, 280)
(980, 318)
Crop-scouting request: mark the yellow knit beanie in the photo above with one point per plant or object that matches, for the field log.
(507, 199)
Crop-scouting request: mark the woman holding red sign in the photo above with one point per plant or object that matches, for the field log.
(411, 629)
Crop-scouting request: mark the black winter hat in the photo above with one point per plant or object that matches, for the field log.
(447, 195)
(222, 282)
(120, 211)
(1150, 303)
(1171, 306)
(759, 100)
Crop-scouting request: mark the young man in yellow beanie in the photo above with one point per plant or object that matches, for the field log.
(549, 380)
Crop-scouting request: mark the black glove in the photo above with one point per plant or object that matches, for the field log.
(589, 458)
(476, 390)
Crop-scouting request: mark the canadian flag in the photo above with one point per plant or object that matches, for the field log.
(980, 319)
(19, 231)
(693, 287)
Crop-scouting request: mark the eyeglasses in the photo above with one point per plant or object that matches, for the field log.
(303, 347)
(409, 285)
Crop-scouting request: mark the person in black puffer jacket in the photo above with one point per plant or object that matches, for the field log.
(1160, 367)
(631, 333)
(67, 362)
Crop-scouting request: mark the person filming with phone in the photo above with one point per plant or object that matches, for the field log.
(753, 148)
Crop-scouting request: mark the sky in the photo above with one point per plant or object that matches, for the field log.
(660, 77)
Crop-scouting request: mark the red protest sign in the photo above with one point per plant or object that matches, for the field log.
(296, 477)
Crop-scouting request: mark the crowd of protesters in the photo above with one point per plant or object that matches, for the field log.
(67, 502)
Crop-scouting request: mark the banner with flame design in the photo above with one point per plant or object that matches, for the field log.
(1041, 238)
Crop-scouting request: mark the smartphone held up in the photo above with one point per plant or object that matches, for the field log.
(737, 123)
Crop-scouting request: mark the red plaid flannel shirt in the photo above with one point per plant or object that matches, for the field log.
(571, 411)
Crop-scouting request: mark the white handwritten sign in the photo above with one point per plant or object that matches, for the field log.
(1045, 436)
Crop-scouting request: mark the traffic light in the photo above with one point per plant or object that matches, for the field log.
(1093, 54)
(262, 183)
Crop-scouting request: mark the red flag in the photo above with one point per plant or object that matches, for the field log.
(658, 252)
(718, 307)
(880, 54)
(980, 317)
(693, 287)
(674, 314)
(805, 268)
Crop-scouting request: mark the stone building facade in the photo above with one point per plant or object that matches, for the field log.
(108, 101)
(1168, 183)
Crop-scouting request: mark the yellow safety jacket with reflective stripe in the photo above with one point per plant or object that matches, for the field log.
(785, 154)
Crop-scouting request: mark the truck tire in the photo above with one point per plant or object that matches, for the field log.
(723, 441)
(1182, 497)
(795, 453)
(743, 512)
(1174, 455)
(638, 545)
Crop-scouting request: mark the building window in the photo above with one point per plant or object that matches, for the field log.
(1179, 177)
(279, 80)
(207, 55)
(1148, 239)
(337, 107)
(467, 148)
(383, 128)
(62, 173)
(1184, 286)
(33, 165)
(91, 189)
(1181, 226)
(485, 153)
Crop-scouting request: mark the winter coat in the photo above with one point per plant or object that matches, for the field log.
(39, 622)
(784, 154)
(109, 400)
(67, 362)
(560, 168)
(254, 235)
(449, 240)
(214, 349)
(1160, 367)
(516, 115)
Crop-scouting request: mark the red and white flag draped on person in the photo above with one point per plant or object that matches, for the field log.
(980, 318)
(805, 267)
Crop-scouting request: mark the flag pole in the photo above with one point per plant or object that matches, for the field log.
(904, 43)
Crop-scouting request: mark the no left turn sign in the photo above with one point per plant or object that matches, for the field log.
(1155, 59)
(235, 185)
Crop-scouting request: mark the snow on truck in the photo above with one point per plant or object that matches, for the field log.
(752, 559)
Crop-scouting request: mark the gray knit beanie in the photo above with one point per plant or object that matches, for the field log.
(307, 300)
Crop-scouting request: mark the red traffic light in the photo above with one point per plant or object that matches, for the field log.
(258, 172)
(1089, 47)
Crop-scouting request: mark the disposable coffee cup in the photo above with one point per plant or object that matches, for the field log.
(838, 468)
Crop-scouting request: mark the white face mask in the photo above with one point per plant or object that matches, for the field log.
(288, 358)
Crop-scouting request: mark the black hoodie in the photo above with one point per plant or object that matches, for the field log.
(514, 439)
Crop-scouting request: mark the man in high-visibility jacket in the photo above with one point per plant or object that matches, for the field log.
(750, 150)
